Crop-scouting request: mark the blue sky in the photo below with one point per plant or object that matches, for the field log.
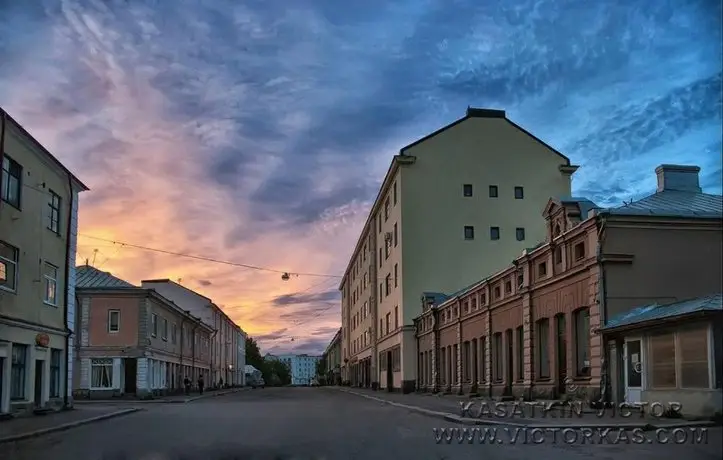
(259, 131)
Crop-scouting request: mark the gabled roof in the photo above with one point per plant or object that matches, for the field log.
(583, 204)
(6, 116)
(673, 203)
(642, 316)
(91, 278)
(473, 112)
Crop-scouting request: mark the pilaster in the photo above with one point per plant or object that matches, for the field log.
(458, 353)
(527, 339)
(435, 354)
(85, 322)
(488, 349)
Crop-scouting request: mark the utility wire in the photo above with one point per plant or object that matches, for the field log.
(209, 259)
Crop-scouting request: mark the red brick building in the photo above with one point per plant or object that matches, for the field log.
(532, 329)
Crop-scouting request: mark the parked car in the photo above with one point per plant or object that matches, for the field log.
(258, 383)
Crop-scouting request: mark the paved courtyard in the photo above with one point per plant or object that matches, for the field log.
(302, 423)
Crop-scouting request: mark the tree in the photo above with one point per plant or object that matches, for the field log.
(273, 371)
(253, 354)
(280, 372)
(321, 367)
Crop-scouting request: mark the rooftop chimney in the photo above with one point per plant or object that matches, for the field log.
(678, 177)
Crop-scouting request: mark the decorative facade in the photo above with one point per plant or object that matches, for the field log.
(532, 330)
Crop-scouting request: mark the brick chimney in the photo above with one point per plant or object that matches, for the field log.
(678, 177)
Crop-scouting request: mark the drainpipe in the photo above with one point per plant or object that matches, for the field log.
(193, 349)
(602, 296)
(180, 358)
(66, 400)
(2, 144)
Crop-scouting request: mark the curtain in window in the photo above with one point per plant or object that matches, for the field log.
(102, 373)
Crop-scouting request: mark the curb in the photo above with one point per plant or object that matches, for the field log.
(154, 401)
(215, 395)
(475, 421)
(66, 426)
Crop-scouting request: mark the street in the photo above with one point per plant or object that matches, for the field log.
(297, 423)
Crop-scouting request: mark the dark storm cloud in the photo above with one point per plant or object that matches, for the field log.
(305, 298)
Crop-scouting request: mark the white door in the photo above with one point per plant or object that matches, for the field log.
(633, 357)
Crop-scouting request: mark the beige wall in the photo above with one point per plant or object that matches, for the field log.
(26, 229)
(481, 152)
(672, 263)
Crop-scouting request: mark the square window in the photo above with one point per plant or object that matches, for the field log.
(519, 193)
(8, 266)
(520, 233)
(50, 277)
(468, 232)
(494, 233)
(113, 320)
(579, 251)
(493, 191)
(467, 189)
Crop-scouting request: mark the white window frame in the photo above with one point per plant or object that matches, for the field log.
(47, 282)
(96, 362)
(15, 263)
(110, 314)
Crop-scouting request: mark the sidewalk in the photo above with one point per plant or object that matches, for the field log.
(19, 428)
(450, 408)
(178, 399)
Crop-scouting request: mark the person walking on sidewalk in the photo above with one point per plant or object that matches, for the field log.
(220, 382)
(187, 385)
(200, 385)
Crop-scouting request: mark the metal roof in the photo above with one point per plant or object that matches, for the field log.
(91, 278)
(673, 203)
(655, 312)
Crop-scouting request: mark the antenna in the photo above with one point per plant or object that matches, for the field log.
(95, 253)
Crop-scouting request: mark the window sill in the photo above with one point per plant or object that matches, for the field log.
(12, 291)
(102, 388)
(53, 231)
(54, 305)
(12, 204)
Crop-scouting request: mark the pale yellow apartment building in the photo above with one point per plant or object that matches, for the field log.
(38, 232)
(454, 206)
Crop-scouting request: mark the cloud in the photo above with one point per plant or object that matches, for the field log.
(301, 298)
(276, 335)
(260, 133)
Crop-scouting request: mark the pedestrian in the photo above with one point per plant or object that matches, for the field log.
(187, 384)
(220, 382)
(200, 385)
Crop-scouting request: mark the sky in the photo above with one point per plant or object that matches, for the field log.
(259, 132)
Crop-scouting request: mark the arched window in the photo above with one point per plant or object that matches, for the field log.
(582, 342)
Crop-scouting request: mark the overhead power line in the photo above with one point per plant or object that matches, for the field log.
(209, 259)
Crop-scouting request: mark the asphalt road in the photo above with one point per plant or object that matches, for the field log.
(300, 423)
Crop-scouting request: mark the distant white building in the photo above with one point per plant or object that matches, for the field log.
(303, 367)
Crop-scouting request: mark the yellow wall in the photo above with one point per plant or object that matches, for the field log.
(481, 152)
